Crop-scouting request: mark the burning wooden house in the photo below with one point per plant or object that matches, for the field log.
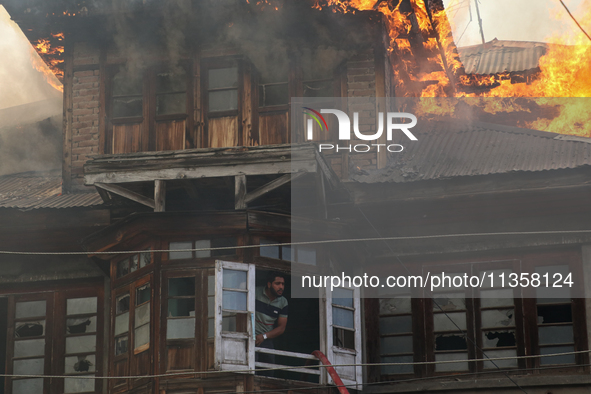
(175, 204)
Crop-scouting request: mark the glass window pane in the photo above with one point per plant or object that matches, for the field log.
(397, 369)
(224, 100)
(29, 329)
(270, 95)
(180, 328)
(234, 279)
(203, 244)
(122, 304)
(210, 306)
(555, 314)
(389, 345)
(211, 285)
(122, 268)
(441, 322)
(33, 366)
(286, 253)
(84, 344)
(171, 103)
(142, 315)
(223, 243)
(318, 89)
(555, 334)
(30, 309)
(566, 359)
(142, 336)
(552, 293)
(171, 81)
(512, 363)
(145, 259)
(223, 78)
(450, 342)
(30, 347)
(306, 256)
(142, 294)
(121, 344)
(181, 307)
(125, 83)
(449, 302)
(498, 318)
(76, 364)
(134, 262)
(179, 246)
(393, 306)
(181, 287)
(461, 366)
(122, 323)
(269, 251)
(500, 338)
(79, 326)
(343, 297)
(129, 106)
(496, 297)
(27, 386)
(78, 306)
(233, 300)
(343, 317)
(211, 328)
(395, 324)
(78, 385)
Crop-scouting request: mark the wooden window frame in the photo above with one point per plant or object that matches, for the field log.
(149, 118)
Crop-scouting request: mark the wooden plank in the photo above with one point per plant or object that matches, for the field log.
(286, 353)
(170, 135)
(67, 116)
(127, 138)
(159, 195)
(240, 192)
(223, 131)
(104, 195)
(192, 173)
(291, 369)
(127, 194)
(273, 128)
(274, 184)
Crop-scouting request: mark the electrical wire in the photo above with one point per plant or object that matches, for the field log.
(323, 242)
(288, 368)
(573, 18)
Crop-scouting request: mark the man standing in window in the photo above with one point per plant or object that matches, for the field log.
(271, 314)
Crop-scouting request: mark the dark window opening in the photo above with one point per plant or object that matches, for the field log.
(127, 94)
(273, 94)
(223, 89)
(171, 92)
(555, 314)
(450, 342)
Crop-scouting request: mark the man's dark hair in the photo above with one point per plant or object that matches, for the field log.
(274, 274)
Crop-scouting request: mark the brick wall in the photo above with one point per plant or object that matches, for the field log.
(85, 106)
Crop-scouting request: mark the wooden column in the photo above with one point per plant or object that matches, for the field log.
(67, 117)
(159, 195)
(240, 192)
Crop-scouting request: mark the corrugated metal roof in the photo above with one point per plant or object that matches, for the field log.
(446, 150)
(501, 56)
(33, 190)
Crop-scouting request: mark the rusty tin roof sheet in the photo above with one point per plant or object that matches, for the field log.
(446, 150)
(502, 56)
(34, 190)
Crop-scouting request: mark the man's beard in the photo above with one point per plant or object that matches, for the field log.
(272, 290)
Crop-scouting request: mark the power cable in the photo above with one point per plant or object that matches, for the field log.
(573, 18)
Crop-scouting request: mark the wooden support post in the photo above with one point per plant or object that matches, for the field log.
(159, 195)
(240, 192)
(127, 194)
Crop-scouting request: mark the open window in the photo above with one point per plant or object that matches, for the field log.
(342, 313)
(234, 316)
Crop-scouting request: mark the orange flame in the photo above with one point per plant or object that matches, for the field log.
(50, 59)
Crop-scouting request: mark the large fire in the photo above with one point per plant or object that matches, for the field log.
(50, 50)
(426, 64)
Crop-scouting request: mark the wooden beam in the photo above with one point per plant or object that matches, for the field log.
(274, 184)
(240, 192)
(159, 195)
(123, 192)
(104, 195)
(68, 117)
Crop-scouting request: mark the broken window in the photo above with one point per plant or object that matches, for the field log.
(81, 341)
(396, 337)
(133, 263)
(181, 308)
(121, 324)
(142, 318)
(299, 254)
(555, 318)
(449, 329)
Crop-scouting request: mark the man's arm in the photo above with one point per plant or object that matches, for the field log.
(274, 333)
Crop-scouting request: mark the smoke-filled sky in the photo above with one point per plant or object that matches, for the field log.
(20, 83)
(520, 20)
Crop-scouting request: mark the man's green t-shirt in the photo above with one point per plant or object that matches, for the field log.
(268, 311)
